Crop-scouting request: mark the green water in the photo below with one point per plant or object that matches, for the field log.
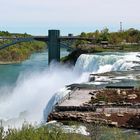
(38, 61)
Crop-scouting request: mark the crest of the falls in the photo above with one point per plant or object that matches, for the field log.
(105, 62)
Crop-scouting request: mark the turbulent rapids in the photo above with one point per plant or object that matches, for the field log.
(36, 93)
(105, 62)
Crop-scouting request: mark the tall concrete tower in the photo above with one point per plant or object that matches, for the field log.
(54, 45)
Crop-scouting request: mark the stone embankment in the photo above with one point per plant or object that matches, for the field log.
(115, 107)
(125, 120)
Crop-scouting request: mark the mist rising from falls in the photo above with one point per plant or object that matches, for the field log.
(34, 90)
(97, 63)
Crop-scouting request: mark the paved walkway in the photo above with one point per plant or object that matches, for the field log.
(77, 98)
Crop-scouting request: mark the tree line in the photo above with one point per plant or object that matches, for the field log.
(127, 36)
(20, 51)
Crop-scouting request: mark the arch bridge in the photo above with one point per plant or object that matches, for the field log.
(54, 41)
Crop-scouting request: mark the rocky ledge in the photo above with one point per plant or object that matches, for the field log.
(127, 120)
(114, 107)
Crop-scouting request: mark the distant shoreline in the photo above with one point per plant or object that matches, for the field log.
(9, 62)
(73, 56)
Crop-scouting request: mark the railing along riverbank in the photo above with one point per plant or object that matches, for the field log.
(66, 97)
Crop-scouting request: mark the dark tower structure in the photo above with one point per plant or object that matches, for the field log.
(54, 45)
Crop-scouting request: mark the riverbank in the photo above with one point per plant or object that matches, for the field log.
(20, 51)
(7, 63)
(54, 131)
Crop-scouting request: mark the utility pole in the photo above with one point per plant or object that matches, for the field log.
(121, 28)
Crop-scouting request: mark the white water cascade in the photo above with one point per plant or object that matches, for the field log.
(35, 90)
(105, 62)
(98, 63)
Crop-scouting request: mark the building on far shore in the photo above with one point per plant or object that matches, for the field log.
(104, 43)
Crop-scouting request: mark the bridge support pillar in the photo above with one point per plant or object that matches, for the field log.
(54, 45)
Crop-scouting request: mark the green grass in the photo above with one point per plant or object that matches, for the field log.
(28, 132)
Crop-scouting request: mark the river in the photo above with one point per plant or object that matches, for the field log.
(37, 62)
(29, 90)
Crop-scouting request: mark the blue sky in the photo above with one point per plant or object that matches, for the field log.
(70, 16)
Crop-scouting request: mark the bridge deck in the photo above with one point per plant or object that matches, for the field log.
(53, 39)
(46, 38)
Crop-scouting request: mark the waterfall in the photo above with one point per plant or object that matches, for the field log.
(105, 62)
(36, 93)
(98, 63)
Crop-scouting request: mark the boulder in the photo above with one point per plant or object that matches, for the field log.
(132, 96)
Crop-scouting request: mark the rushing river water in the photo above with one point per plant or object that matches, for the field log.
(30, 89)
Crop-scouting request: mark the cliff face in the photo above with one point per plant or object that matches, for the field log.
(128, 120)
(73, 56)
(87, 117)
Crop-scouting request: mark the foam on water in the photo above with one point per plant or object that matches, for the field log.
(100, 63)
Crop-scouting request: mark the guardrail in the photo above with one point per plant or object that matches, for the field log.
(65, 97)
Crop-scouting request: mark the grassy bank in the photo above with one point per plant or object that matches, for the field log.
(28, 132)
(18, 52)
